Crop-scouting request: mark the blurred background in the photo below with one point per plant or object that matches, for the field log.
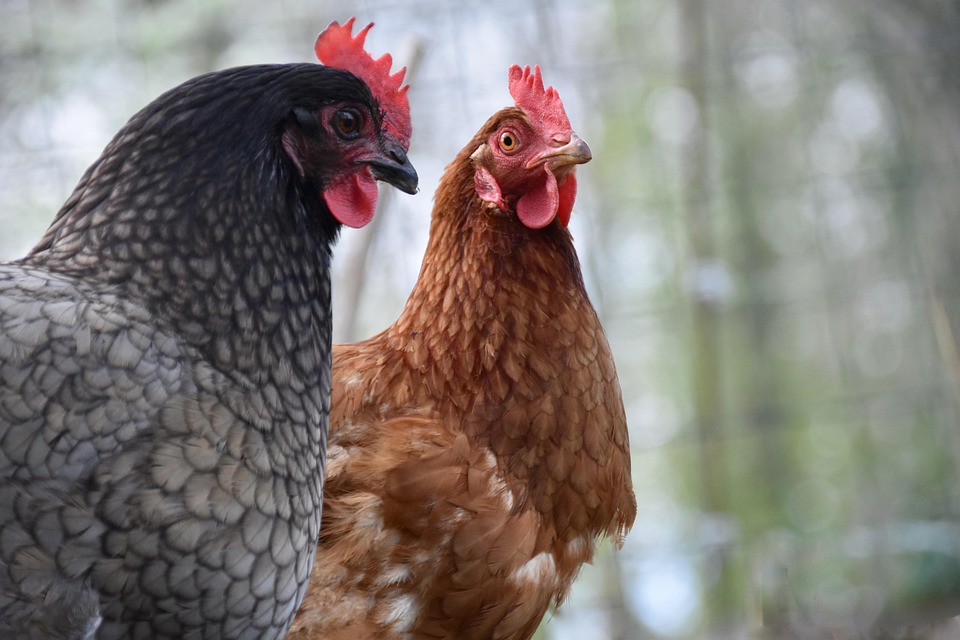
(770, 231)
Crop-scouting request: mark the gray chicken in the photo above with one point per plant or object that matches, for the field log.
(165, 355)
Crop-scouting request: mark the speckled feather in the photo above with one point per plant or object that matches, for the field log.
(165, 374)
(478, 447)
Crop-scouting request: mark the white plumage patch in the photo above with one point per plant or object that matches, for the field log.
(392, 574)
(578, 546)
(540, 569)
(401, 612)
(93, 624)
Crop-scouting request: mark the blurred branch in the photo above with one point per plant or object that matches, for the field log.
(706, 341)
(623, 623)
(356, 263)
(946, 337)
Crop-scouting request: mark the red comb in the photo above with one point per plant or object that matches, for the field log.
(543, 106)
(337, 47)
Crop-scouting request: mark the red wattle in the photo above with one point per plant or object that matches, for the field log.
(568, 193)
(352, 199)
(538, 207)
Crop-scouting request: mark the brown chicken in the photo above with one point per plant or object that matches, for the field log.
(478, 447)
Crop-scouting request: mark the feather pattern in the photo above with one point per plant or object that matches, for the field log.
(165, 368)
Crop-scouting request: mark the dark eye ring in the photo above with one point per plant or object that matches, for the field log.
(509, 141)
(347, 122)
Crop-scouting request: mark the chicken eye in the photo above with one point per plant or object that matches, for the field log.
(509, 141)
(347, 123)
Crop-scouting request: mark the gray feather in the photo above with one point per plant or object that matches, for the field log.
(165, 376)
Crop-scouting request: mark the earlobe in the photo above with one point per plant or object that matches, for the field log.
(302, 123)
(485, 184)
(292, 147)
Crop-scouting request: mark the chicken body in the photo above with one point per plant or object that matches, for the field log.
(165, 365)
(478, 447)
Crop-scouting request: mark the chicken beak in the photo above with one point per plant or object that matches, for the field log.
(396, 169)
(572, 153)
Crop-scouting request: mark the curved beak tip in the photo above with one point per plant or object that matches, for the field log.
(580, 150)
(575, 151)
(400, 174)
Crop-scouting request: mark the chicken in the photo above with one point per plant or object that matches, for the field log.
(165, 355)
(478, 446)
